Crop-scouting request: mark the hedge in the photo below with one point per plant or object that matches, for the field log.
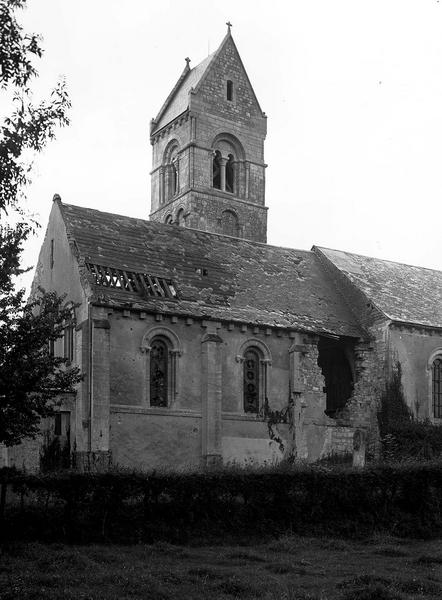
(417, 440)
(127, 507)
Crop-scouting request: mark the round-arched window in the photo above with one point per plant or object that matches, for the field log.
(251, 380)
(228, 156)
(159, 362)
(171, 171)
(436, 380)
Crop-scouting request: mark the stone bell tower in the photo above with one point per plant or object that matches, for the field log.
(208, 169)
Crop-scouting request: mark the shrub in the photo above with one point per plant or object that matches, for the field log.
(414, 440)
(53, 454)
(126, 507)
(393, 411)
(402, 437)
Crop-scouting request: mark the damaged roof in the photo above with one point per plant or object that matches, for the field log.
(402, 292)
(215, 276)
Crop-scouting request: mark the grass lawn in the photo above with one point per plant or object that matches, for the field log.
(292, 568)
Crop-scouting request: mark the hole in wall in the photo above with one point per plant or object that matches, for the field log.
(334, 360)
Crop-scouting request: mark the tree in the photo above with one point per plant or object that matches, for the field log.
(30, 377)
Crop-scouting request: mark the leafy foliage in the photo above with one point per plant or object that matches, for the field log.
(54, 455)
(29, 376)
(30, 126)
(16, 48)
(402, 437)
(393, 411)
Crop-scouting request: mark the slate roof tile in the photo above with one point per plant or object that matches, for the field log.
(179, 101)
(246, 281)
(404, 293)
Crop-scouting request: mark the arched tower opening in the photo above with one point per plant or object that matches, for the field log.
(170, 171)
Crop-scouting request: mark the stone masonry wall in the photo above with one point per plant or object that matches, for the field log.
(416, 348)
(372, 356)
(244, 108)
(210, 117)
(179, 132)
(204, 211)
(148, 437)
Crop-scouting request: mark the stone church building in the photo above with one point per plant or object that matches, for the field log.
(184, 324)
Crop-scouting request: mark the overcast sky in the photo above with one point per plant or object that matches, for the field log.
(352, 90)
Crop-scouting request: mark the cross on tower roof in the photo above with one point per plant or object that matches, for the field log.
(229, 25)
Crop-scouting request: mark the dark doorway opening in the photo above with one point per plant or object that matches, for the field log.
(333, 359)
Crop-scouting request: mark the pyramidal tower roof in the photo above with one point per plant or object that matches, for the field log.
(177, 101)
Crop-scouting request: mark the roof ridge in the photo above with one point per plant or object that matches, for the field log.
(395, 262)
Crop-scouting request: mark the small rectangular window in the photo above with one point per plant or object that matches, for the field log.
(229, 90)
(51, 348)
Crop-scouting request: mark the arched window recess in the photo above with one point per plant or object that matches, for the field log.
(223, 172)
(181, 218)
(230, 223)
(435, 384)
(162, 349)
(254, 357)
(227, 153)
(170, 183)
